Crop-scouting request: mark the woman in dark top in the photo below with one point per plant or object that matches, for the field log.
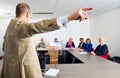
(68, 57)
(70, 43)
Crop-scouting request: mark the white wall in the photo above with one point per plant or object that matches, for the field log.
(108, 26)
(3, 25)
(74, 29)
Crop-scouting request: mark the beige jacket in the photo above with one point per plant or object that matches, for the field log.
(20, 57)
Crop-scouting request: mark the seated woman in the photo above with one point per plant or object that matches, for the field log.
(70, 43)
(87, 47)
(101, 49)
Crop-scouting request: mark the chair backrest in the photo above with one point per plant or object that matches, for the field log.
(1, 57)
(106, 55)
(53, 52)
(92, 49)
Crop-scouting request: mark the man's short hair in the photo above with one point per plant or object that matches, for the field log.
(81, 38)
(21, 8)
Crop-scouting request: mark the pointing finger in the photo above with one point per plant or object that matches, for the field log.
(87, 9)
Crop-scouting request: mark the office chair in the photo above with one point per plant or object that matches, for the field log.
(106, 55)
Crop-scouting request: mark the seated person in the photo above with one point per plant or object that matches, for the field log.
(58, 46)
(87, 47)
(101, 49)
(56, 43)
(70, 43)
(41, 44)
(41, 54)
(81, 44)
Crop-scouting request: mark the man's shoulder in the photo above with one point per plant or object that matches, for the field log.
(17, 21)
(105, 45)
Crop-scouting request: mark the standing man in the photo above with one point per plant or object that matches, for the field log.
(20, 57)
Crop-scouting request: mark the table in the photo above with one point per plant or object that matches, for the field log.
(93, 67)
(45, 51)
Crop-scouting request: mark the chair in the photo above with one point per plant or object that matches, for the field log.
(1, 57)
(106, 55)
(53, 51)
(92, 49)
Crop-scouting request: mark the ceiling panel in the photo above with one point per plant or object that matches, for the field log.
(42, 5)
(102, 6)
(8, 6)
(68, 6)
(59, 7)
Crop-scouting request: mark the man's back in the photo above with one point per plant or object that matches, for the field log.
(19, 52)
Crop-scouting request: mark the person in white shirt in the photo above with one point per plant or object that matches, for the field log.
(57, 42)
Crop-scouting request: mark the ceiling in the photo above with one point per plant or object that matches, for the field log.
(58, 7)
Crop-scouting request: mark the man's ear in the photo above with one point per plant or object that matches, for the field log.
(27, 14)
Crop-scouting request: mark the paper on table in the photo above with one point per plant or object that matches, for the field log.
(83, 52)
(52, 72)
(42, 49)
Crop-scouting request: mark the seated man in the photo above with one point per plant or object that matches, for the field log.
(101, 49)
(81, 44)
(41, 54)
(41, 44)
(55, 43)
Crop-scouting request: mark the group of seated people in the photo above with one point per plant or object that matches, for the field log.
(101, 50)
(86, 46)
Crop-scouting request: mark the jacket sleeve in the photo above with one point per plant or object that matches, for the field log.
(3, 45)
(29, 29)
(88, 47)
(67, 46)
(79, 45)
(101, 51)
(73, 44)
(105, 49)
